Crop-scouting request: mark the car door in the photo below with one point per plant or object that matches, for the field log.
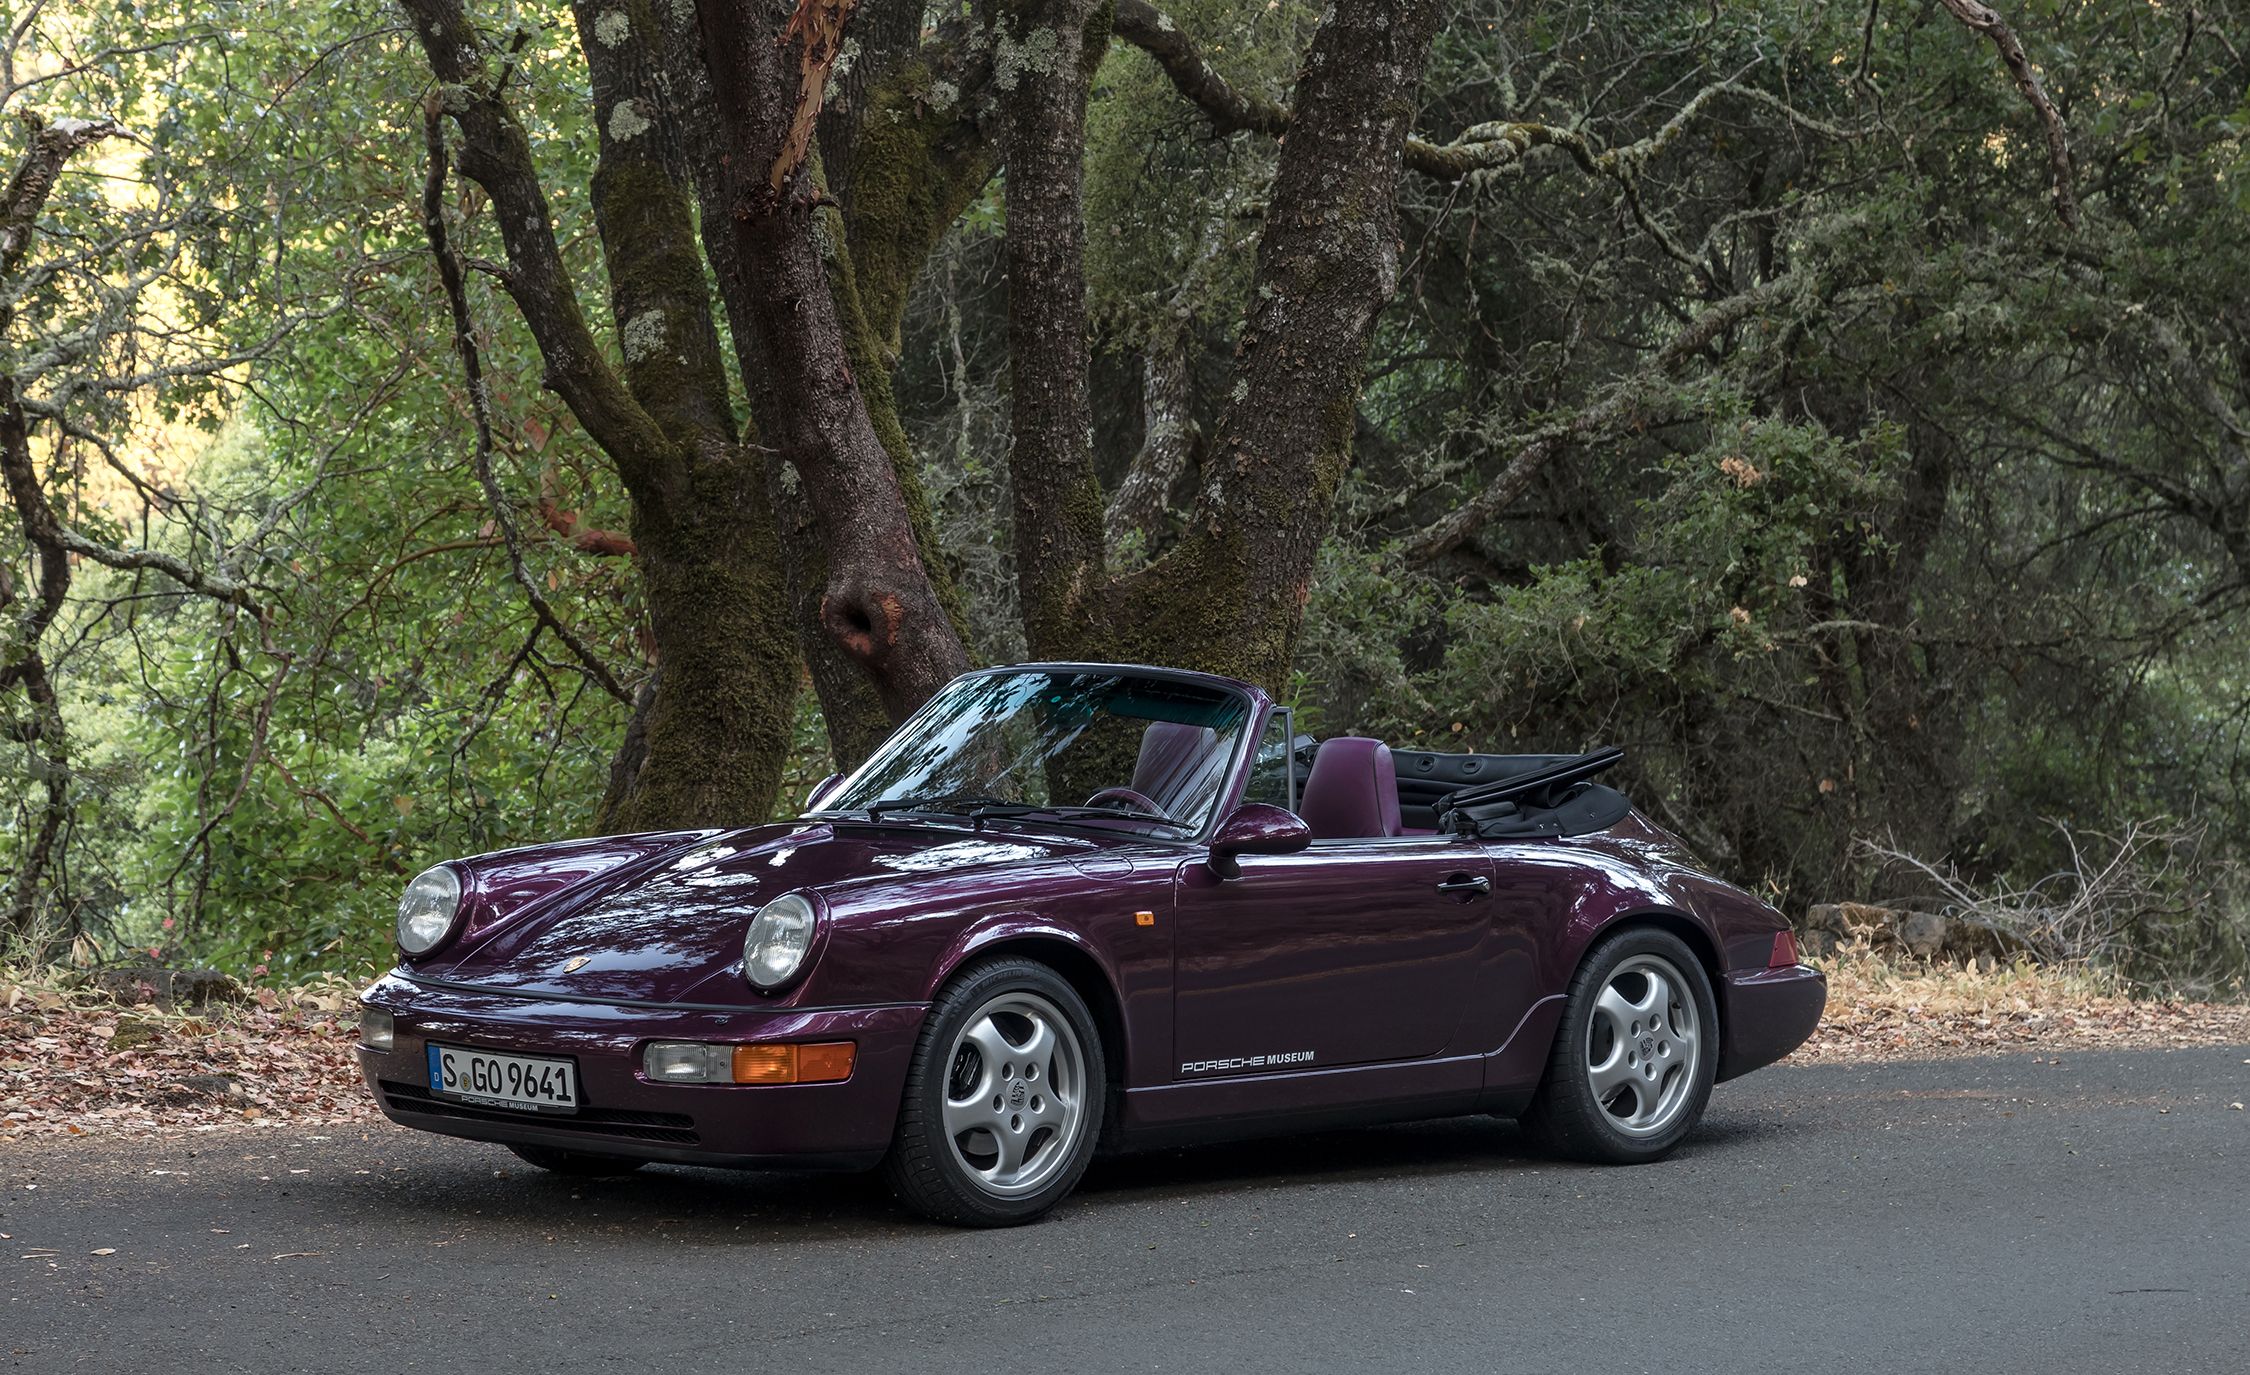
(1347, 952)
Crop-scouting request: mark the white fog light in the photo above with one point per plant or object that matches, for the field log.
(375, 1031)
(688, 1062)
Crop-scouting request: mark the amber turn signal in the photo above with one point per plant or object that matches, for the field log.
(822, 1062)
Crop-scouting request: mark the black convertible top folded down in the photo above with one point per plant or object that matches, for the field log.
(1502, 796)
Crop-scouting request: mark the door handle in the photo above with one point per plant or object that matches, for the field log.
(1466, 883)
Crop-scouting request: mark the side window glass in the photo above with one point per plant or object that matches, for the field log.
(1269, 771)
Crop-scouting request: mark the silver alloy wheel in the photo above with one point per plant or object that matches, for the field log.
(1015, 1094)
(1644, 1045)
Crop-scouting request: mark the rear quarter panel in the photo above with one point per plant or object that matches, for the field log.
(1553, 899)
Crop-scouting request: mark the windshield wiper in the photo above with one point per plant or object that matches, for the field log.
(965, 803)
(1020, 809)
(979, 807)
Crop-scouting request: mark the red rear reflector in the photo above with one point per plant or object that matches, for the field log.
(1784, 950)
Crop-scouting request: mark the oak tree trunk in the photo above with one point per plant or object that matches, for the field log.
(879, 604)
(710, 731)
(1229, 595)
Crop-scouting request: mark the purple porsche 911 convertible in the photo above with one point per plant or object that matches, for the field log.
(1076, 906)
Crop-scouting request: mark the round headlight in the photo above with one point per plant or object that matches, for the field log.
(779, 936)
(426, 910)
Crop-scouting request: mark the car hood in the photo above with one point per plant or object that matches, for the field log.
(668, 927)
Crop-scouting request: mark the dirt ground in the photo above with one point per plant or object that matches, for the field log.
(76, 1062)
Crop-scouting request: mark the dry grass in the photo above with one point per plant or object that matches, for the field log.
(1882, 1007)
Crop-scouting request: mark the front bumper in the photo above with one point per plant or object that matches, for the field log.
(843, 1125)
(1767, 1014)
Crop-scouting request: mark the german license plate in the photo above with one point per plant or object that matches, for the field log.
(526, 1083)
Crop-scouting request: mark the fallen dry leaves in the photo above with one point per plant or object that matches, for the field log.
(1884, 1008)
(74, 1062)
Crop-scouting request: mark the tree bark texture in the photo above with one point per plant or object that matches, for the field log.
(1142, 504)
(711, 731)
(879, 602)
(41, 729)
(1230, 595)
(1044, 55)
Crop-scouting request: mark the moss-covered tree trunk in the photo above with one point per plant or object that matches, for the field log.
(1045, 54)
(1229, 596)
(710, 732)
(879, 604)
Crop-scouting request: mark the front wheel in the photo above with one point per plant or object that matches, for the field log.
(1635, 1056)
(1003, 1098)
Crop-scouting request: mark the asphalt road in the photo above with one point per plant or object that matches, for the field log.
(2006, 1214)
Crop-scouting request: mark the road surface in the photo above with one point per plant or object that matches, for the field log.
(2080, 1212)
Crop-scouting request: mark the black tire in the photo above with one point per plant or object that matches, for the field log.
(576, 1164)
(1567, 1116)
(926, 1169)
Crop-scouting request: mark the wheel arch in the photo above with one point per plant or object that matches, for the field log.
(1692, 933)
(1066, 954)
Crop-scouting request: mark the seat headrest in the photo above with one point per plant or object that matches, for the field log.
(1173, 756)
(1352, 792)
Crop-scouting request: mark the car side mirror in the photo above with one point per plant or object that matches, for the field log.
(1256, 828)
(821, 790)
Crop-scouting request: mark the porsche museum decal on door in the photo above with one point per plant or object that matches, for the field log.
(1235, 1062)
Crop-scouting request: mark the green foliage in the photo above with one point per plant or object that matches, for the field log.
(1948, 543)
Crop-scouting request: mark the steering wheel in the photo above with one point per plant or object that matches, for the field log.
(1139, 802)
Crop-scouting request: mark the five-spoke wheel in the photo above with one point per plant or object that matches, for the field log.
(1015, 1095)
(1004, 1098)
(1634, 1058)
(1642, 1045)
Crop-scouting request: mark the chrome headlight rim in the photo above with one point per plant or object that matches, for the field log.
(429, 911)
(777, 948)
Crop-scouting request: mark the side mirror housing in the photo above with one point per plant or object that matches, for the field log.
(821, 790)
(1256, 828)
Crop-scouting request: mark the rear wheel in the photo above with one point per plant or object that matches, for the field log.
(1634, 1058)
(1003, 1098)
(577, 1164)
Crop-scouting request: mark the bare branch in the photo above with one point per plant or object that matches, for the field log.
(480, 406)
(1981, 18)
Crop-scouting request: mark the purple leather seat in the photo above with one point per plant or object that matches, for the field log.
(1352, 792)
(1173, 759)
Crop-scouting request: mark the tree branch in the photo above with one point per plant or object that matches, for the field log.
(1148, 28)
(1620, 406)
(1480, 148)
(496, 154)
(480, 405)
(52, 145)
(216, 586)
(1982, 19)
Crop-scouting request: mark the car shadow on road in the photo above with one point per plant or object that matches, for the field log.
(1448, 1147)
(705, 1206)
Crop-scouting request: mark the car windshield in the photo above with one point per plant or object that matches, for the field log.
(1075, 745)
